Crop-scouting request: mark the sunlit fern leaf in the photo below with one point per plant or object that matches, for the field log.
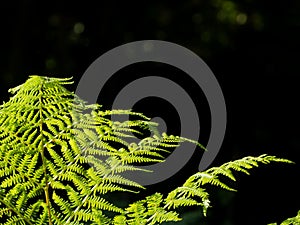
(120, 220)
(290, 221)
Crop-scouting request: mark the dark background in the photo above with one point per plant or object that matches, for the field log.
(251, 46)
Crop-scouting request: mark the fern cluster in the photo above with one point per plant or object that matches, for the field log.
(60, 156)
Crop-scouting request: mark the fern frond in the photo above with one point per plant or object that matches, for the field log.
(195, 184)
(290, 221)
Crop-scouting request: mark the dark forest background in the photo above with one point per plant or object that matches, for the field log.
(251, 46)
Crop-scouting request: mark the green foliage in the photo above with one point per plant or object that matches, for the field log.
(290, 221)
(59, 157)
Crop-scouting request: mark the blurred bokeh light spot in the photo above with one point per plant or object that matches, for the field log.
(241, 18)
(78, 28)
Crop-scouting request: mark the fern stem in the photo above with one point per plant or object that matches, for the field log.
(46, 188)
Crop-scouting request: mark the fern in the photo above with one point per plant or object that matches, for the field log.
(60, 156)
(290, 221)
(193, 192)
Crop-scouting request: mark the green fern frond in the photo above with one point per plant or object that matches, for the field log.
(46, 142)
(290, 221)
